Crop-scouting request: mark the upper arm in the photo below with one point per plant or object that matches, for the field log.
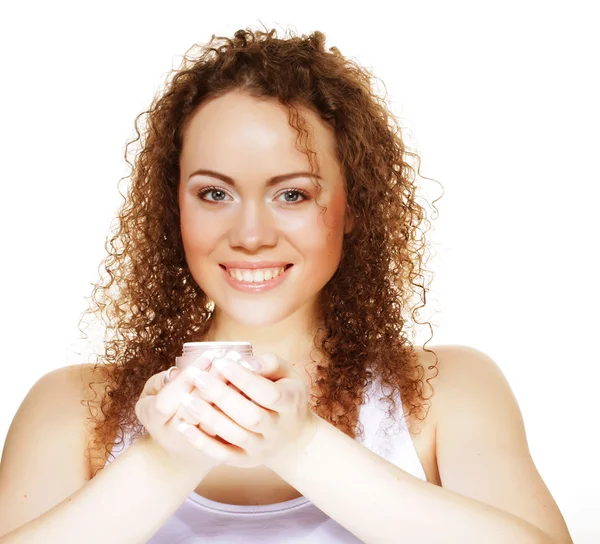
(43, 461)
(481, 446)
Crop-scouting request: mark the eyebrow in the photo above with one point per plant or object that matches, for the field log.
(270, 182)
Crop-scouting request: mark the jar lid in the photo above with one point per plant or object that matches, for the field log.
(212, 344)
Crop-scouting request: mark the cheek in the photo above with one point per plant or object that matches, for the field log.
(323, 241)
(333, 219)
(197, 234)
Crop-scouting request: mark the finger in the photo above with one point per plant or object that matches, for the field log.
(215, 419)
(259, 389)
(182, 412)
(207, 430)
(230, 357)
(156, 382)
(210, 446)
(168, 399)
(272, 367)
(184, 415)
(243, 411)
(203, 363)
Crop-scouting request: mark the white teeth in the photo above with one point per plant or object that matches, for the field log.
(254, 276)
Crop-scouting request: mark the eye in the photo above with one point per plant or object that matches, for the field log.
(217, 194)
(291, 196)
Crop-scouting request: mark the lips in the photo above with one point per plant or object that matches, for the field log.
(253, 265)
(254, 287)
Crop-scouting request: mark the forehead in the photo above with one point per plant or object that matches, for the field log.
(238, 130)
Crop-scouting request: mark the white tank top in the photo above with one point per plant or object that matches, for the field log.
(298, 521)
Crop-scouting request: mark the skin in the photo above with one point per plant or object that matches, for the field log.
(250, 141)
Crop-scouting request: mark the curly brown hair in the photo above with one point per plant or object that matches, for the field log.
(151, 304)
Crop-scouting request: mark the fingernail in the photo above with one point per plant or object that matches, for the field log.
(225, 366)
(202, 362)
(188, 401)
(210, 354)
(187, 430)
(198, 377)
(200, 383)
(233, 355)
(251, 364)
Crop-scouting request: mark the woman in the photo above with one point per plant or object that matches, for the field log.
(272, 201)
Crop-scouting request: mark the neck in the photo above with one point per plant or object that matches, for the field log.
(291, 339)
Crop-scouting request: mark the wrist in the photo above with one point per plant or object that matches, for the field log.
(192, 466)
(290, 454)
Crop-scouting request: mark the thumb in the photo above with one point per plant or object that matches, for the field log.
(270, 366)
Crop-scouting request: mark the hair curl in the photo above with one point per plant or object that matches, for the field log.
(151, 304)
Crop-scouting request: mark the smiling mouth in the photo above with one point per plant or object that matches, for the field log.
(256, 275)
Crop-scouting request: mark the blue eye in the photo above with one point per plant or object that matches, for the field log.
(293, 195)
(218, 195)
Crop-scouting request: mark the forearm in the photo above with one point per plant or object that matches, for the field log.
(380, 503)
(127, 502)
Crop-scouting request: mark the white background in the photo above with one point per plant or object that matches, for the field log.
(501, 101)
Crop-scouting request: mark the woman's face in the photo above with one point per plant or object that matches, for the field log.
(258, 246)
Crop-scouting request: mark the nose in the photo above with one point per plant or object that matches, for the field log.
(253, 228)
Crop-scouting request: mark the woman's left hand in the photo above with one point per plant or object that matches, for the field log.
(260, 417)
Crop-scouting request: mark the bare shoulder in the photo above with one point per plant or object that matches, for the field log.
(81, 388)
(435, 366)
(82, 384)
(445, 371)
(91, 381)
(472, 393)
(90, 378)
(481, 446)
(448, 369)
(43, 460)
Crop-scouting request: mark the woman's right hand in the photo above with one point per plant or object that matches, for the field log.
(160, 410)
